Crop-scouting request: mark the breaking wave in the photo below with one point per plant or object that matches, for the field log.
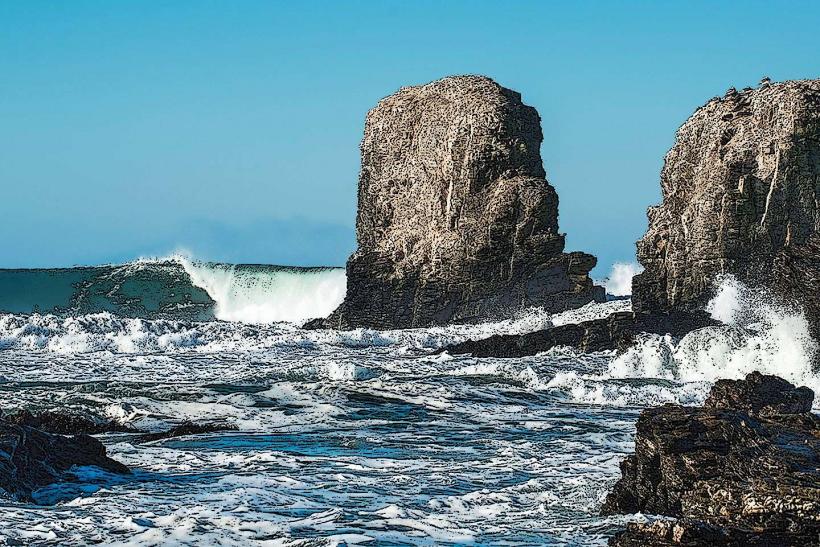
(176, 288)
(265, 294)
(760, 334)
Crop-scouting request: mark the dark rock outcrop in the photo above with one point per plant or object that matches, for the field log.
(615, 332)
(31, 459)
(742, 470)
(185, 428)
(456, 221)
(741, 195)
(63, 423)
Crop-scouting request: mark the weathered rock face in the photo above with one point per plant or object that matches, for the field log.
(456, 221)
(31, 459)
(741, 193)
(742, 470)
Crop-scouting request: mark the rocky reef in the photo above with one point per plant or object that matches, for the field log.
(615, 332)
(742, 470)
(741, 195)
(31, 459)
(456, 221)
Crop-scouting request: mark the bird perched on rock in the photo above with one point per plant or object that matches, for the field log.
(731, 92)
(765, 80)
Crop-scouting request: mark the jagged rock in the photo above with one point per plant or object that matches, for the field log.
(31, 459)
(696, 533)
(64, 424)
(615, 332)
(456, 221)
(797, 277)
(741, 195)
(753, 472)
(760, 395)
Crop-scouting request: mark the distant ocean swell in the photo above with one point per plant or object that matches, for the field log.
(176, 288)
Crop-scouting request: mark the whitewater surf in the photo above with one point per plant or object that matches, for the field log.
(344, 437)
(177, 287)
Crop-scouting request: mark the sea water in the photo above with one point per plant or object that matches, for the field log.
(344, 438)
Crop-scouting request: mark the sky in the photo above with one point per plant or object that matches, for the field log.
(230, 130)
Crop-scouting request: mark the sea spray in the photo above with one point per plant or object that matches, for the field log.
(619, 281)
(760, 334)
(262, 294)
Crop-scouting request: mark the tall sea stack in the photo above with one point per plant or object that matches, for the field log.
(456, 220)
(741, 195)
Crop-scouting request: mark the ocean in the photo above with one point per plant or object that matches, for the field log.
(340, 438)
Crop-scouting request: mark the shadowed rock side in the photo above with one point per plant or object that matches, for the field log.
(31, 459)
(742, 470)
(741, 188)
(456, 221)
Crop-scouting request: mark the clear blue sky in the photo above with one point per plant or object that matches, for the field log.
(231, 129)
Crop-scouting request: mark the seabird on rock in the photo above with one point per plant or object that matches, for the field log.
(765, 80)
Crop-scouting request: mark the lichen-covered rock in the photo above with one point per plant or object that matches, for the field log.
(456, 221)
(741, 194)
(747, 464)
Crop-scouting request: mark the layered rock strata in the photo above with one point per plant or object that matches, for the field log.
(742, 470)
(456, 221)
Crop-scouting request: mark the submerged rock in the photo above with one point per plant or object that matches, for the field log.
(456, 221)
(31, 459)
(185, 428)
(742, 470)
(740, 196)
(615, 332)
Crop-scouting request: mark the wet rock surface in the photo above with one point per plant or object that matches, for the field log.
(741, 188)
(63, 423)
(742, 470)
(615, 332)
(456, 221)
(31, 459)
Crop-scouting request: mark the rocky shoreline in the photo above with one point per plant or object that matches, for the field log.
(744, 469)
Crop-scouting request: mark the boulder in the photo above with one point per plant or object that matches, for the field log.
(742, 470)
(456, 221)
(31, 459)
(741, 196)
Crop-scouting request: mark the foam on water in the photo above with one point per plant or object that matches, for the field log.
(361, 436)
(761, 334)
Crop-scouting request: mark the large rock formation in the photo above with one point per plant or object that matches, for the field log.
(456, 221)
(741, 195)
(742, 470)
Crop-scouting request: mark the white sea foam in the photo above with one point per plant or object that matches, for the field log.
(760, 335)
